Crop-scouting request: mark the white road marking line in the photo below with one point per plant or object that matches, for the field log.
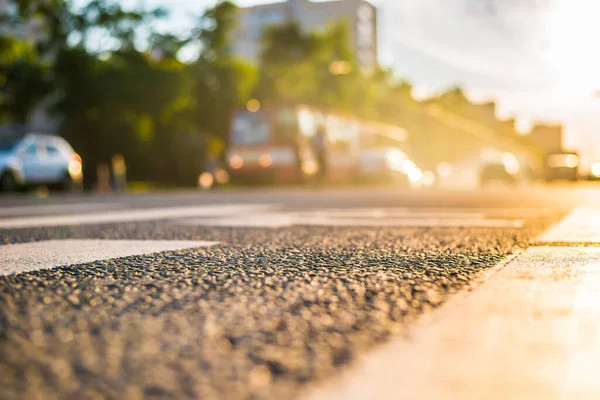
(66, 208)
(581, 226)
(531, 331)
(23, 257)
(257, 220)
(278, 222)
(417, 222)
(496, 212)
(392, 212)
(375, 217)
(131, 215)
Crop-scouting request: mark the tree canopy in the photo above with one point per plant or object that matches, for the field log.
(116, 84)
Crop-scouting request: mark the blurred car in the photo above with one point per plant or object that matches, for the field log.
(508, 169)
(562, 166)
(38, 159)
(594, 171)
(497, 173)
(388, 165)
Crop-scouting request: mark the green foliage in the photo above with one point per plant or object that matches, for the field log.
(111, 97)
(215, 28)
(296, 67)
(166, 116)
(24, 79)
(220, 82)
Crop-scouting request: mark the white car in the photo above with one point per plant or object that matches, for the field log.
(389, 164)
(37, 159)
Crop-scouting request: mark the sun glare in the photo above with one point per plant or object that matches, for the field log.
(570, 33)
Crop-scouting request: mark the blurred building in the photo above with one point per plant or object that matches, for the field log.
(548, 138)
(310, 16)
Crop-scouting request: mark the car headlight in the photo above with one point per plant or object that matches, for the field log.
(596, 169)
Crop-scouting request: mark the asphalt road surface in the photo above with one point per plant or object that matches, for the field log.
(249, 294)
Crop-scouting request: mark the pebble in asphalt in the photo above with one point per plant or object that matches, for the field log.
(259, 316)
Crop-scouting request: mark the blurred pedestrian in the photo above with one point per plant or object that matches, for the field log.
(320, 144)
(102, 178)
(298, 146)
(119, 170)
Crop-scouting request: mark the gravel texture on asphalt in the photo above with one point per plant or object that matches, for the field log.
(258, 316)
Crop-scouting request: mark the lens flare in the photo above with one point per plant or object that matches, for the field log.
(205, 180)
(265, 160)
(236, 162)
(253, 105)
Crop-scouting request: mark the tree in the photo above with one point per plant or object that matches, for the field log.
(113, 96)
(214, 30)
(221, 82)
(24, 79)
(296, 67)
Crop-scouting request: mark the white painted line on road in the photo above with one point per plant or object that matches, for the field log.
(495, 212)
(268, 221)
(131, 215)
(532, 331)
(368, 217)
(420, 219)
(23, 257)
(257, 216)
(381, 213)
(256, 220)
(452, 212)
(581, 226)
(66, 208)
(422, 222)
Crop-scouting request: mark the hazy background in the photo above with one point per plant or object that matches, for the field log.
(535, 57)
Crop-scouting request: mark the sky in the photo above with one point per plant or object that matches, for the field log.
(537, 59)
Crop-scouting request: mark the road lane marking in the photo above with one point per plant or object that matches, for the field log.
(24, 257)
(266, 216)
(529, 213)
(355, 217)
(531, 331)
(130, 215)
(581, 226)
(254, 220)
(384, 213)
(66, 208)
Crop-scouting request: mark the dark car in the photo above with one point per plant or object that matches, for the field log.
(496, 173)
(562, 166)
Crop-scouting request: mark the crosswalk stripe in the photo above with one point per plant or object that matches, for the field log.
(530, 330)
(23, 257)
(42, 209)
(506, 212)
(581, 226)
(266, 216)
(375, 217)
(129, 215)
(378, 213)
(419, 222)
